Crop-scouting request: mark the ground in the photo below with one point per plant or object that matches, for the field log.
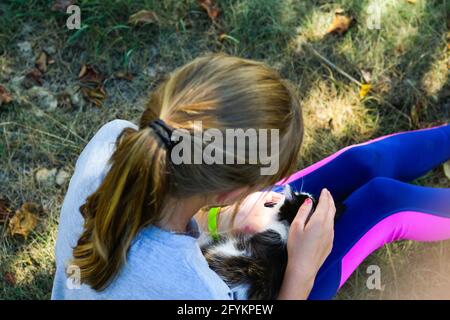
(47, 124)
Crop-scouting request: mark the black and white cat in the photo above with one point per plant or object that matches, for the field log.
(253, 265)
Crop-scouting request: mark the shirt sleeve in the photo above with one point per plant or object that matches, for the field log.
(95, 156)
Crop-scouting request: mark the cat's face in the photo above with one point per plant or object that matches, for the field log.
(276, 215)
(293, 200)
(258, 211)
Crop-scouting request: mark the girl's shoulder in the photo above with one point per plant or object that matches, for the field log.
(99, 149)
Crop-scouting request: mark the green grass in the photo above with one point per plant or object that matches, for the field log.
(407, 59)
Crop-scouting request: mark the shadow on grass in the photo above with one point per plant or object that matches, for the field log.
(405, 76)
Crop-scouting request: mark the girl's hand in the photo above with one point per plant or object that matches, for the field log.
(309, 243)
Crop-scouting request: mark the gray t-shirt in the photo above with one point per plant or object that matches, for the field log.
(160, 264)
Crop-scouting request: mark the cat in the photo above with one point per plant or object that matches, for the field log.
(253, 265)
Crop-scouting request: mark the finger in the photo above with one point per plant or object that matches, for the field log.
(303, 212)
(322, 207)
(332, 207)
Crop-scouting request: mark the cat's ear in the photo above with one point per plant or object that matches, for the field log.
(287, 192)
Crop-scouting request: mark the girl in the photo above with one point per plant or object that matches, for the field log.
(135, 236)
(126, 228)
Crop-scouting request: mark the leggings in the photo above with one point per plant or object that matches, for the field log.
(370, 179)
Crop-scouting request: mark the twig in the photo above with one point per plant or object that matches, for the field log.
(331, 64)
(345, 74)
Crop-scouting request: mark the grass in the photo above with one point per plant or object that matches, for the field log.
(407, 59)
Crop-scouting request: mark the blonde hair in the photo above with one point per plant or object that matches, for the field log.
(221, 91)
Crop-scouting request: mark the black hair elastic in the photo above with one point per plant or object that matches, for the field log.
(163, 131)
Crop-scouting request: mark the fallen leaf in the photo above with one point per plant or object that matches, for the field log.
(367, 76)
(24, 220)
(92, 81)
(89, 75)
(143, 17)
(340, 24)
(364, 90)
(447, 169)
(10, 278)
(411, 1)
(61, 5)
(5, 96)
(32, 207)
(122, 75)
(210, 7)
(42, 62)
(94, 95)
(5, 210)
(33, 78)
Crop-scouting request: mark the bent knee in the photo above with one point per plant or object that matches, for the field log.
(365, 160)
(382, 188)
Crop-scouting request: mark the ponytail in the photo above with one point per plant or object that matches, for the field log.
(130, 196)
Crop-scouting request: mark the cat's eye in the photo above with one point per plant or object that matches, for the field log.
(270, 204)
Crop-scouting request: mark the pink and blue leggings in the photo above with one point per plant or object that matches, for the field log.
(370, 179)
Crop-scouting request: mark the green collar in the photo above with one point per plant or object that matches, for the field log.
(213, 214)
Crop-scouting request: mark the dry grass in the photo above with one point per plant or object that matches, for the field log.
(407, 59)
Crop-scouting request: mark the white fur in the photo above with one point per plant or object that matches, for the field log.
(227, 248)
(204, 239)
(281, 228)
(287, 192)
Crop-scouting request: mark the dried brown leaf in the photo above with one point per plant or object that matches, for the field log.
(89, 75)
(10, 278)
(211, 8)
(94, 95)
(33, 78)
(42, 62)
(5, 96)
(340, 24)
(24, 220)
(92, 85)
(143, 17)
